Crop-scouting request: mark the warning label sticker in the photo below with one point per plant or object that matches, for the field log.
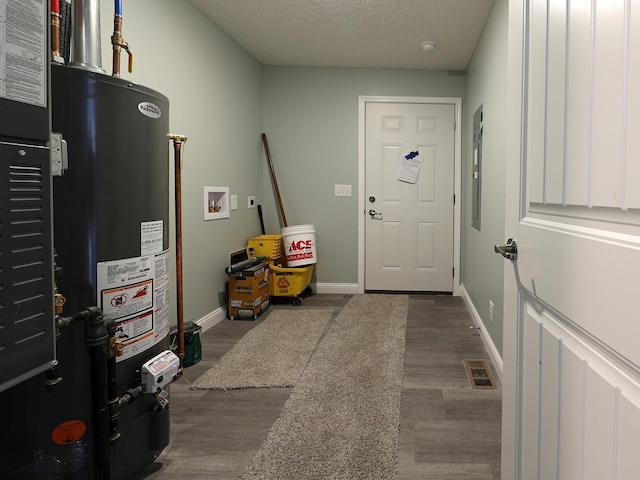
(125, 301)
(135, 293)
(136, 333)
(68, 432)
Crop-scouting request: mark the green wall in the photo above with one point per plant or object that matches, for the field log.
(482, 270)
(214, 88)
(223, 99)
(310, 116)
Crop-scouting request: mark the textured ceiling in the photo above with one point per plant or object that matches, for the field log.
(353, 33)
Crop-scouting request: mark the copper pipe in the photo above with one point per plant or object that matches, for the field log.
(273, 177)
(178, 141)
(116, 41)
(55, 31)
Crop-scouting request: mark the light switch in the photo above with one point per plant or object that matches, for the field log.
(342, 190)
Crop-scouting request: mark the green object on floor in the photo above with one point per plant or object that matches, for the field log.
(192, 343)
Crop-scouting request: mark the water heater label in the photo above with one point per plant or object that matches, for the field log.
(149, 109)
(151, 237)
(23, 52)
(135, 293)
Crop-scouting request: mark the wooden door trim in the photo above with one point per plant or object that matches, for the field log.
(457, 188)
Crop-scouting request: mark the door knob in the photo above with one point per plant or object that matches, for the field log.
(374, 214)
(508, 251)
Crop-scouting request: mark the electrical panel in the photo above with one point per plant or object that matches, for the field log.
(476, 171)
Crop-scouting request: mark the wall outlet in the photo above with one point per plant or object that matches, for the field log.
(342, 190)
(490, 311)
(234, 202)
(251, 202)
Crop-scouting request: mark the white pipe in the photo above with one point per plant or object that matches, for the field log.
(87, 50)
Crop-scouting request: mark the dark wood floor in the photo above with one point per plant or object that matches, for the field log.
(448, 431)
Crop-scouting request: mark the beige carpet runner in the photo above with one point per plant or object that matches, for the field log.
(341, 420)
(273, 354)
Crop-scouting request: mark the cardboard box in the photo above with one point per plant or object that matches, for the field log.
(239, 310)
(249, 293)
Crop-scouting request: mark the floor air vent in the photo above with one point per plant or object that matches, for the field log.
(479, 374)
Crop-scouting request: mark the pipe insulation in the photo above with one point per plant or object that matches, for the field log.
(98, 329)
(97, 341)
(239, 267)
(55, 32)
(65, 30)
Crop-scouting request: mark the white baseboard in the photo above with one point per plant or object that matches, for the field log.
(216, 316)
(336, 288)
(486, 339)
(210, 319)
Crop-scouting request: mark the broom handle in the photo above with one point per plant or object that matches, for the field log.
(261, 219)
(273, 177)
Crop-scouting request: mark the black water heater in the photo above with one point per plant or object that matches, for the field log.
(111, 241)
(111, 232)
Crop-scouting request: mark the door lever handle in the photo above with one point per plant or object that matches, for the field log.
(375, 214)
(508, 251)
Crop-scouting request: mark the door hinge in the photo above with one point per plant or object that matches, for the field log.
(454, 198)
(453, 272)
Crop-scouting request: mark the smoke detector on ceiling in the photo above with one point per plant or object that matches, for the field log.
(428, 46)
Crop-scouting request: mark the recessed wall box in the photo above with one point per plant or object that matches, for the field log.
(216, 203)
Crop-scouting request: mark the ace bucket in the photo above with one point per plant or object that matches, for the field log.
(300, 245)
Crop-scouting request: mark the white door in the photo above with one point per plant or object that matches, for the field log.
(409, 233)
(572, 297)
